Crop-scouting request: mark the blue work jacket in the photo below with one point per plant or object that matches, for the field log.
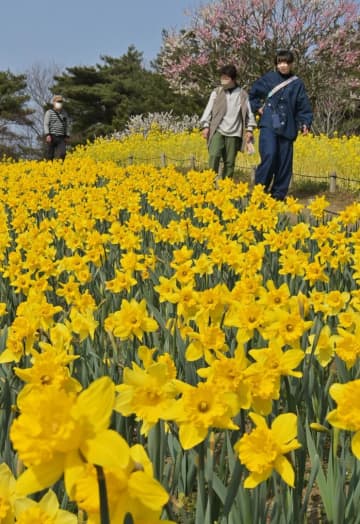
(291, 103)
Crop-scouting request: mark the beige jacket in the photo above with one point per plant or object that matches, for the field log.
(218, 110)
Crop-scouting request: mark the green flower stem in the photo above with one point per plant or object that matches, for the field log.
(201, 499)
(104, 508)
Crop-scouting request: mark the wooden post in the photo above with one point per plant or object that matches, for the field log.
(332, 182)
(192, 162)
(163, 160)
(291, 182)
(131, 160)
(252, 176)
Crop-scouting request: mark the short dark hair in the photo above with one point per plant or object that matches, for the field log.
(228, 70)
(284, 55)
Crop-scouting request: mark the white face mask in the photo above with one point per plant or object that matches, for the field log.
(225, 83)
(58, 105)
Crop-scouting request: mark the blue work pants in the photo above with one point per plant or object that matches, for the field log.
(275, 169)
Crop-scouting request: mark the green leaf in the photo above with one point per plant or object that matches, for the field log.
(320, 477)
(313, 473)
(233, 487)
(219, 488)
(128, 519)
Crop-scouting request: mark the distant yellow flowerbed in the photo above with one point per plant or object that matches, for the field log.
(316, 156)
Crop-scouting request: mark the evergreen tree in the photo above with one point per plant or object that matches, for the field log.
(101, 98)
(14, 115)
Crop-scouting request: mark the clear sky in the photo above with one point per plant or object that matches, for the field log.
(77, 32)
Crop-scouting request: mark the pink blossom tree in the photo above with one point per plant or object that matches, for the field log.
(322, 33)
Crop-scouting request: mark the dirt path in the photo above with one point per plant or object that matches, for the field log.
(337, 201)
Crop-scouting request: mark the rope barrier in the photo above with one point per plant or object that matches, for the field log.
(194, 163)
(310, 176)
(352, 180)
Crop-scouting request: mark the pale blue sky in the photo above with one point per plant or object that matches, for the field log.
(77, 32)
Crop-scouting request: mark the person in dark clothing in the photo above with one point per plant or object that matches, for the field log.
(279, 97)
(56, 130)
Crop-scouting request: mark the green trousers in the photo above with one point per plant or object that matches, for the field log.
(225, 147)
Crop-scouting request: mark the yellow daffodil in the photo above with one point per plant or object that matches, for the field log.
(187, 303)
(336, 301)
(273, 297)
(246, 317)
(347, 346)
(264, 385)
(2, 308)
(83, 323)
(207, 342)
(315, 272)
(167, 289)
(263, 450)
(131, 320)
(228, 375)
(148, 393)
(56, 432)
(48, 369)
(21, 337)
(201, 408)
(325, 347)
(46, 511)
(7, 495)
(292, 262)
(347, 413)
(318, 206)
(131, 489)
(287, 327)
(123, 281)
(274, 358)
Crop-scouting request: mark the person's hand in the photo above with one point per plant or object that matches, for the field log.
(249, 137)
(261, 110)
(48, 139)
(305, 130)
(205, 132)
(250, 149)
(249, 143)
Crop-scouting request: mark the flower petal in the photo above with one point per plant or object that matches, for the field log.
(49, 503)
(355, 445)
(139, 455)
(258, 420)
(194, 351)
(255, 478)
(148, 490)
(191, 435)
(107, 449)
(74, 467)
(96, 403)
(292, 358)
(40, 477)
(22, 504)
(284, 428)
(335, 420)
(285, 470)
(336, 391)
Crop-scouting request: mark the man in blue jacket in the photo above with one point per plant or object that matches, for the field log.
(279, 97)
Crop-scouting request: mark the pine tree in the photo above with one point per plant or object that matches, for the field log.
(101, 98)
(14, 115)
